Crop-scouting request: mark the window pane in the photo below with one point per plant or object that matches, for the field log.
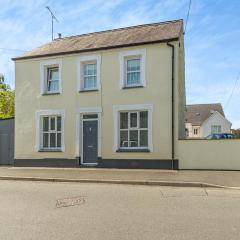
(133, 120)
(123, 138)
(53, 86)
(45, 140)
(90, 116)
(59, 123)
(90, 69)
(144, 119)
(133, 78)
(143, 138)
(52, 122)
(123, 120)
(53, 74)
(133, 65)
(45, 124)
(134, 138)
(216, 129)
(59, 140)
(52, 140)
(52, 79)
(90, 82)
(195, 131)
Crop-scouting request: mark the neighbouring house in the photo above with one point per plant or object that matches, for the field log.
(236, 132)
(114, 98)
(205, 119)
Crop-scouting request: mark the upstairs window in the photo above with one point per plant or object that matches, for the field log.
(52, 79)
(88, 68)
(132, 68)
(90, 76)
(133, 72)
(50, 71)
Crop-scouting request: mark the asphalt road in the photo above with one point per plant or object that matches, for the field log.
(42, 210)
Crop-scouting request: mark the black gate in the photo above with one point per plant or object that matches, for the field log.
(7, 141)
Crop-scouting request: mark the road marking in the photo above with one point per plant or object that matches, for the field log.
(182, 192)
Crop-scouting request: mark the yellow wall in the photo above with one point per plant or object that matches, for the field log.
(209, 154)
(157, 92)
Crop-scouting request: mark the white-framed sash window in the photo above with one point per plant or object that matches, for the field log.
(88, 72)
(51, 135)
(50, 130)
(50, 71)
(132, 68)
(133, 72)
(52, 79)
(133, 127)
(90, 75)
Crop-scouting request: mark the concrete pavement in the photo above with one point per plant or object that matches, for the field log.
(229, 179)
(30, 211)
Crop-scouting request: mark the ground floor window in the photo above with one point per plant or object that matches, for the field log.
(51, 134)
(133, 129)
(216, 129)
(195, 131)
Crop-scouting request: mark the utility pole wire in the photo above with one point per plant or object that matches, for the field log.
(189, 7)
(234, 87)
(11, 49)
(53, 17)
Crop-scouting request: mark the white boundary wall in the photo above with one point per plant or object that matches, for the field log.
(209, 154)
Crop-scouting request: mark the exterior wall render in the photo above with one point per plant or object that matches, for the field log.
(157, 92)
(209, 154)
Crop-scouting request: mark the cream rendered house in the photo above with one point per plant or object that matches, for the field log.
(205, 119)
(109, 99)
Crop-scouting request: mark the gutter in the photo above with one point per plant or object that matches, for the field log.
(173, 102)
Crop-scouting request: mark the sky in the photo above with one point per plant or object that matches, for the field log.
(212, 48)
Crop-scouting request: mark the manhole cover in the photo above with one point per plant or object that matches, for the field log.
(68, 202)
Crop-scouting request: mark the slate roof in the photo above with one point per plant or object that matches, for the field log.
(198, 113)
(122, 37)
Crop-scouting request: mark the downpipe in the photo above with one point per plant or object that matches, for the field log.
(173, 102)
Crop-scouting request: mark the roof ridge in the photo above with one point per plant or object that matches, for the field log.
(119, 29)
(204, 104)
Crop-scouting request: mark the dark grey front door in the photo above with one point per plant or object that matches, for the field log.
(90, 142)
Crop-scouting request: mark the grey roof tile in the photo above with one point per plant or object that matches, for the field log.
(198, 113)
(129, 36)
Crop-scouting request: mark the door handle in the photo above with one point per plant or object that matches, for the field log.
(90, 146)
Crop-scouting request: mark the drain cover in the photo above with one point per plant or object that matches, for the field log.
(68, 202)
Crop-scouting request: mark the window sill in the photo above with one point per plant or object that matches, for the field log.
(50, 150)
(89, 90)
(133, 150)
(50, 93)
(137, 86)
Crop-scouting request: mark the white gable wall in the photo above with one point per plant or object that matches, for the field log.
(215, 119)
